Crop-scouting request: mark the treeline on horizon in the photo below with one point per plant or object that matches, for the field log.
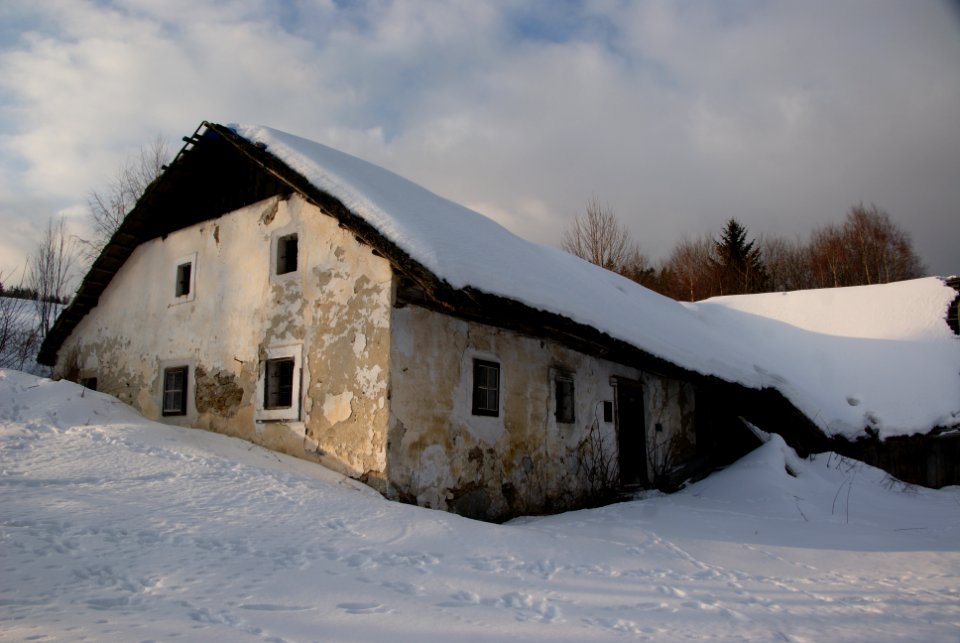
(867, 247)
(22, 292)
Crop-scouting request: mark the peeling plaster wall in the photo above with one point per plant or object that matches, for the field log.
(333, 312)
(671, 436)
(440, 455)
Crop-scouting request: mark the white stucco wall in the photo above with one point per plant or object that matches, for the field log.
(333, 313)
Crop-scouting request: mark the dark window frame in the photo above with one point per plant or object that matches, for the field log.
(184, 272)
(174, 395)
(607, 411)
(486, 393)
(564, 394)
(278, 380)
(288, 251)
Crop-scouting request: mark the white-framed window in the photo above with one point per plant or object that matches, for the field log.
(185, 278)
(286, 261)
(279, 384)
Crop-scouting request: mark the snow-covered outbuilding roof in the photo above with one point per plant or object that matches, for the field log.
(880, 357)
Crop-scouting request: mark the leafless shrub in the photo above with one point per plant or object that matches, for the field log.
(899, 486)
(597, 465)
(663, 458)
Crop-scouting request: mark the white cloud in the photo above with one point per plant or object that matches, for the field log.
(678, 115)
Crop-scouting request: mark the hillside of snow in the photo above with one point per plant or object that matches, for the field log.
(116, 528)
(880, 357)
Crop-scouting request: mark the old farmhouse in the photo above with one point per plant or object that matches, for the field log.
(274, 289)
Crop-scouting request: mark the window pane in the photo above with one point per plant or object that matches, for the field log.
(565, 400)
(174, 391)
(278, 383)
(183, 279)
(286, 254)
(486, 388)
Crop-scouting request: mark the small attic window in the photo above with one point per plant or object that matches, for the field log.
(563, 392)
(607, 411)
(287, 251)
(183, 279)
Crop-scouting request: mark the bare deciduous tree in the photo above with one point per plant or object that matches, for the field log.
(18, 336)
(828, 257)
(49, 272)
(882, 251)
(869, 248)
(638, 268)
(687, 274)
(787, 263)
(108, 207)
(598, 237)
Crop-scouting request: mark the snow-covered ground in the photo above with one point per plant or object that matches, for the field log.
(116, 528)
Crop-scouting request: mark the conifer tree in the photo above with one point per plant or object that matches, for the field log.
(737, 263)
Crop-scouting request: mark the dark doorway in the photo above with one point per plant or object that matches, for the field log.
(631, 433)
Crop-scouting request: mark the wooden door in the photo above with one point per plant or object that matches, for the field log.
(631, 433)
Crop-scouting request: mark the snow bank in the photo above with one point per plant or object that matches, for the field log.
(869, 356)
(918, 391)
(114, 528)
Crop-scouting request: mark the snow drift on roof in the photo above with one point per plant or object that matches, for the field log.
(897, 378)
(869, 356)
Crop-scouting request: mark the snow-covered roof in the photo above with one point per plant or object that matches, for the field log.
(869, 356)
(877, 356)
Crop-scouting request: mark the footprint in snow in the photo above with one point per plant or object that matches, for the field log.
(403, 587)
(363, 608)
(270, 607)
(671, 591)
(461, 599)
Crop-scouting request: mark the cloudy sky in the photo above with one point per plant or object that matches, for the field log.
(679, 115)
